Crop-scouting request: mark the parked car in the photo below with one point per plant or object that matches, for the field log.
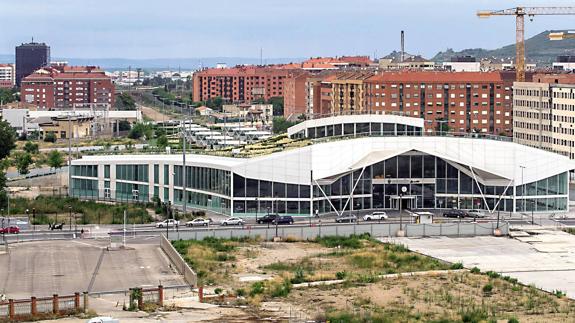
(198, 222)
(233, 221)
(10, 229)
(346, 218)
(168, 223)
(375, 216)
(268, 218)
(454, 213)
(283, 219)
(476, 213)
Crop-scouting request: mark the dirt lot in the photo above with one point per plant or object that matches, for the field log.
(268, 276)
(154, 114)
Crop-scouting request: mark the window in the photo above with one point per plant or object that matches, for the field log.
(106, 171)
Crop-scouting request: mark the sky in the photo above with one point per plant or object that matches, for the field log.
(281, 28)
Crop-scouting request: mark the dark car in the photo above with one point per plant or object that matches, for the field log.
(455, 214)
(346, 218)
(268, 218)
(283, 219)
(10, 229)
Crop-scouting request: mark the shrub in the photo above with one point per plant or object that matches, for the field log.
(352, 242)
(473, 315)
(281, 290)
(475, 270)
(559, 293)
(257, 288)
(513, 320)
(240, 292)
(340, 275)
(457, 265)
(488, 288)
(50, 137)
(218, 291)
(492, 274)
(299, 276)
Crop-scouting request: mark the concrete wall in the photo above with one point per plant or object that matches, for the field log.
(176, 259)
(374, 229)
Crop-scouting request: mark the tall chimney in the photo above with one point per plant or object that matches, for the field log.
(402, 57)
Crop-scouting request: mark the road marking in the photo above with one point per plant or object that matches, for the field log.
(87, 244)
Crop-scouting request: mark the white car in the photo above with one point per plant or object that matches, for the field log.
(198, 222)
(233, 221)
(168, 223)
(476, 213)
(375, 216)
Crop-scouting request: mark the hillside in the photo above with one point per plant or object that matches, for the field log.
(539, 49)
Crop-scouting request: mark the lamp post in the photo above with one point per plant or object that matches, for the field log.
(403, 191)
(28, 216)
(34, 219)
(70, 224)
(257, 207)
(532, 210)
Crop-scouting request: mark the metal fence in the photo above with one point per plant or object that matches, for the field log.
(179, 263)
(374, 229)
(15, 310)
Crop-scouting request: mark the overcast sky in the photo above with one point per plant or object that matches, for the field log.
(239, 28)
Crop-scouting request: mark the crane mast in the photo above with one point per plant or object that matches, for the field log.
(520, 13)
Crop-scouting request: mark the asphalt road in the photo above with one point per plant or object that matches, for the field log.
(64, 267)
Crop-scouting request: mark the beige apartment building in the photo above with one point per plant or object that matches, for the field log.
(544, 116)
(348, 93)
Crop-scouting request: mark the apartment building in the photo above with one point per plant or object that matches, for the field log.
(348, 92)
(544, 113)
(295, 94)
(68, 87)
(240, 84)
(7, 76)
(464, 101)
(319, 94)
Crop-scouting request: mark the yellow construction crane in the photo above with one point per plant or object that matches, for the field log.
(562, 35)
(520, 13)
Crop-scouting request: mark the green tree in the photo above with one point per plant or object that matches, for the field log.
(7, 139)
(278, 105)
(159, 132)
(125, 102)
(124, 125)
(7, 96)
(31, 147)
(55, 159)
(23, 162)
(280, 125)
(140, 130)
(50, 137)
(162, 141)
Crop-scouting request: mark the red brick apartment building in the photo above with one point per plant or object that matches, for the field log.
(295, 93)
(67, 87)
(468, 101)
(240, 84)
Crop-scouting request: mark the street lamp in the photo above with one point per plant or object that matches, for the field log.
(34, 218)
(28, 216)
(257, 207)
(70, 224)
(403, 191)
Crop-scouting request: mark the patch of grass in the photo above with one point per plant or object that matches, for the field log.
(475, 270)
(351, 242)
(559, 293)
(487, 288)
(86, 212)
(569, 230)
(256, 289)
(473, 315)
(280, 289)
(492, 274)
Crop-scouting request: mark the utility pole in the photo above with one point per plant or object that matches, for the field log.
(124, 231)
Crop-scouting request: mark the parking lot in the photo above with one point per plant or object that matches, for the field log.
(65, 267)
(543, 258)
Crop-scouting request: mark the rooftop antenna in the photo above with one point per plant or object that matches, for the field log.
(402, 55)
(261, 56)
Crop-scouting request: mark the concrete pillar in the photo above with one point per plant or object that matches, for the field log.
(55, 304)
(33, 307)
(77, 301)
(161, 295)
(86, 301)
(11, 309)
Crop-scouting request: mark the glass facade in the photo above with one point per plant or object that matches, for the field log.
(134, 173)
(428, 182)
(360, 129)
(85, 170)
